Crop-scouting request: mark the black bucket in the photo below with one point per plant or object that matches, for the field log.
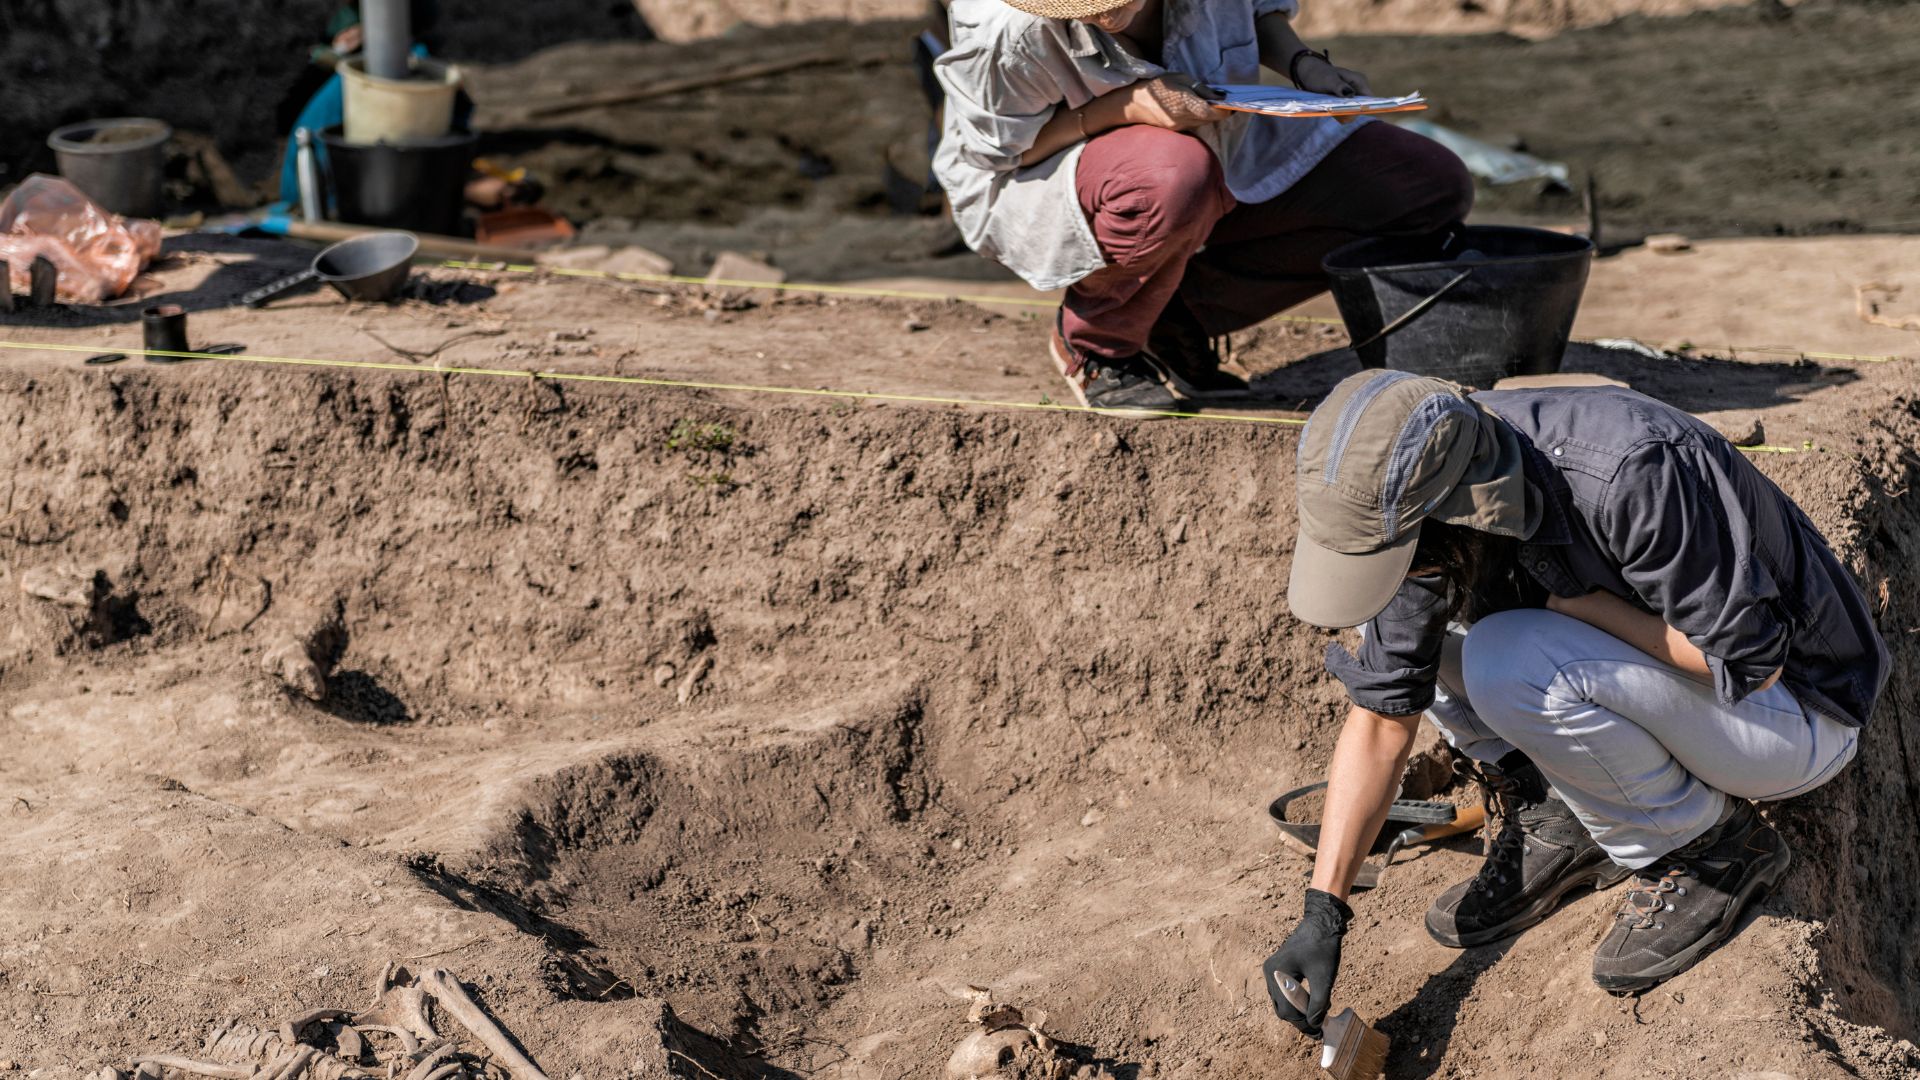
(1474, 305)
(419, 185)
(117, 163)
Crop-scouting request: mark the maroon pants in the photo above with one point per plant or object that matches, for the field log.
(1167, 224)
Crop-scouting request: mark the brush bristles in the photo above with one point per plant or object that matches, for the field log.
(1359, 1052)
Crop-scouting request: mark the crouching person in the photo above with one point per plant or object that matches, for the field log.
(1600, 602)
(1081, 150)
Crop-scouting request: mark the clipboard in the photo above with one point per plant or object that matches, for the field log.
(1290, 104)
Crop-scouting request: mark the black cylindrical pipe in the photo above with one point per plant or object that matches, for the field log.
(164, 328)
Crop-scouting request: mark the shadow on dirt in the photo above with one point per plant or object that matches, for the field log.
(358, 697)
(245, 263)
(1422, 1029)
(1086, 1055)
(1692, 384)
(579, 979)
(120, 619)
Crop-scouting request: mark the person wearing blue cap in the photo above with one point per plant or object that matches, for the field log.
(1629, 632)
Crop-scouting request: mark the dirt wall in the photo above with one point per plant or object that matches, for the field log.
(799, 719)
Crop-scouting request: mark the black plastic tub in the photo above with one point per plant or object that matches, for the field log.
(418, 185)
(1473, 306)
(118, 163)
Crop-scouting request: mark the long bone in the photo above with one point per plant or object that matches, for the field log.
(203, 1068)
(449, 995)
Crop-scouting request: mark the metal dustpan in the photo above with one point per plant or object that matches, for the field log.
(1304, 836)
(371, 267)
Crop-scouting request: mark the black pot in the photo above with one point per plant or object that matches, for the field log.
(1475, 305)
(418, 185)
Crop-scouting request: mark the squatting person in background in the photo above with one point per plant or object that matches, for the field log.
(1654, 637)
(1081, 152)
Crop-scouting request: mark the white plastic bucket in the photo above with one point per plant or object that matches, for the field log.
(394, 110)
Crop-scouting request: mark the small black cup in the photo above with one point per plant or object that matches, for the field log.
(164, 329)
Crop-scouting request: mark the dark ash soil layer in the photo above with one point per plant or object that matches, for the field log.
(1718, 123)
(757, 733)
(218, 67)
(1737, 122)
(1741, 121)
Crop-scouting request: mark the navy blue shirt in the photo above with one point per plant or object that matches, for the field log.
(1655, 507)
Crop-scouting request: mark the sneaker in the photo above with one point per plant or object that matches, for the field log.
(1685, 904)
(1191, 358)
(1539, 853)
(1132, 384)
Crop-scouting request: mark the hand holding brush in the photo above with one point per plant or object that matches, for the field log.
(1300, 977)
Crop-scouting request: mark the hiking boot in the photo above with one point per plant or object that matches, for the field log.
(1191, 358)
(1130, 384)
(1539, 852)
(1682, 906)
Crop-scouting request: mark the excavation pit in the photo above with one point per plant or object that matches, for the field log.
(923, 699)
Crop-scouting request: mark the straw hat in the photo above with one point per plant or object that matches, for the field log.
(1067, 9)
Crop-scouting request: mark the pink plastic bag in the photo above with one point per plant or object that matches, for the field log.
(98, 254)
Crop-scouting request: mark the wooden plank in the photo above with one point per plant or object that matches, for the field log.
(446, 247)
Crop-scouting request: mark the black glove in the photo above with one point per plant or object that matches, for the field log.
(1310, 956)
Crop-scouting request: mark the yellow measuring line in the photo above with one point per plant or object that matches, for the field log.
(745, 388)
(1019, 301)
(678, 384)
(1810, 354)
(807, 287)
(797, 286)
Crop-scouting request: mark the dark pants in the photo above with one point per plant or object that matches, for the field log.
(1167, 224)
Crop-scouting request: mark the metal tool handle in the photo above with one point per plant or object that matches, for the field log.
(280, 288)
(1425, 811)
(1295, 994)
(1416, 310)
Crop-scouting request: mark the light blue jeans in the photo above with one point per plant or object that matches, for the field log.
(1644, 754)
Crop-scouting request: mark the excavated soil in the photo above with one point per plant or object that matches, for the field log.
(1743, 121)
(721, 735)
(690, 20)
(1737, 121)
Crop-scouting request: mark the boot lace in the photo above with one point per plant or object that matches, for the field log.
(1506, 836)
(1222, 349)
(1650, 896)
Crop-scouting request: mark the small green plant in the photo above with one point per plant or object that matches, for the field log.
(689, 436)
(844, 406)
(1046, 399)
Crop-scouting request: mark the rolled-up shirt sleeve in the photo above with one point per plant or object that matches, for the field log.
(1000, 96)
(1686, 546)
(1394, 671)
